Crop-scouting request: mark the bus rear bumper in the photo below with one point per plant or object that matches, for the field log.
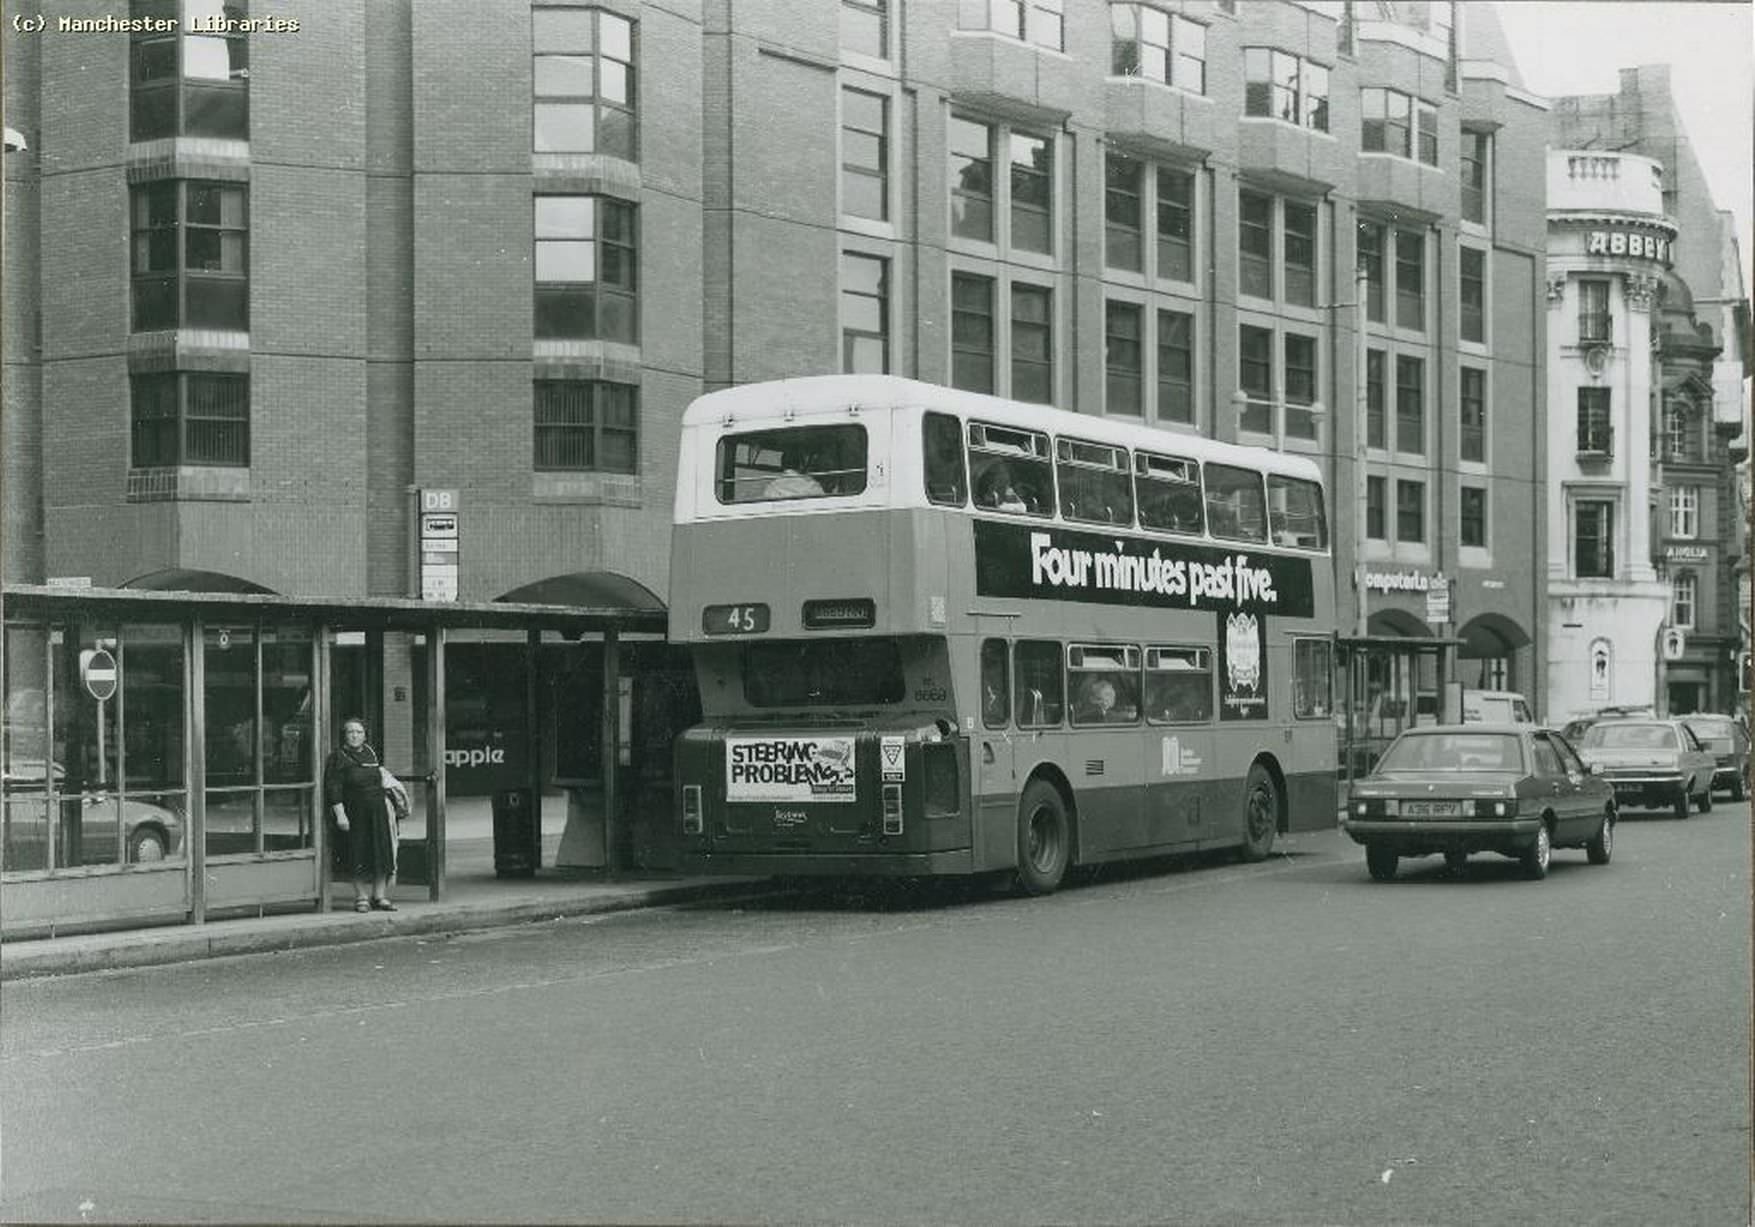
(829, 865)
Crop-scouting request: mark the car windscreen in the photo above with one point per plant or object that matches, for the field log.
(1629, 737)
(823, 673)
(1453, 752)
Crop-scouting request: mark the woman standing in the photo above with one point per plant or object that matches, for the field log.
(353, 788)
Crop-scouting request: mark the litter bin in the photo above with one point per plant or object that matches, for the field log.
(517, 834)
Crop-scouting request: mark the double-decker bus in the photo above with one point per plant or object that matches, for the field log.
(940, 633)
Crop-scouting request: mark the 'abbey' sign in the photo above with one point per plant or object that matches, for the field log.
(1627, 243)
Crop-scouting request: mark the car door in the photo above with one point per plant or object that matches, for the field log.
(1555, 786)
(1697, 762)
(1587, 792)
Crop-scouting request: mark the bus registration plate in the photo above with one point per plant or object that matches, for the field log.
(769, 769)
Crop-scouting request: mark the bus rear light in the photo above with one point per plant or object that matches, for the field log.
(892, 809)
(692, 822)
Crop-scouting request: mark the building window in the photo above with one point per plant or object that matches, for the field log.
(1593, 312)
(1124, 184)
(1175, 367)
(1473, 324)
(1255, 376)
(185, 418)
(1684, 590)
(1255, 243)
(1159, 46)
(1299, 225)
(1277, 85)
(191, 244)
(1124, 358)
(865, 27)
(1376, 430)
(189, 84)
(585, 261)
(1410, 405)
(865, 314)
(1371, 261)
(1396, 123)
(1593, 555)
(584, 425)
(1472, 444)
(1375, 491)
(582, 79)
(1678, 437)
(1595, 431)
(1410, 280)
(1032, 187)
(1410, 511)
(1033, 21)
(972, 332)
(1300, 386)
(865, 154)
(1175, 224)
(971, 145)
(1472, 518)
(1475, 151)
(1685, 511)
(1033, 344)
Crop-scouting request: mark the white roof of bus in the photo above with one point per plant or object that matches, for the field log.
(811, 394)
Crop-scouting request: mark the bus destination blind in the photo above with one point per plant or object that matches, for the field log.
(1047, 562)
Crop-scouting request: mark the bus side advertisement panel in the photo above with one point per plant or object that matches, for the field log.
(1048, 562)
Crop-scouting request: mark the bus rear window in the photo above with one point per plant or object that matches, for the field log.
(1295, 515)
(822, 673)
(791, 463)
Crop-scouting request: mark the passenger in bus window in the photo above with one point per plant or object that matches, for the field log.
(794, 480)
(1178, 698)
(998, 492)
(1105, 700)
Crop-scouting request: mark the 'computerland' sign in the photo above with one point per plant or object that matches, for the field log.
(1400, 581)
(1627, 243)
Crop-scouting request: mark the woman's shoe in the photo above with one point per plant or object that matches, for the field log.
(383, 905)
(362, 905)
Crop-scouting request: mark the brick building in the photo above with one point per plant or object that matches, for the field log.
(262, 287)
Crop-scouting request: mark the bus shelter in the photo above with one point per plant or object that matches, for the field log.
(1389, 683)
(163, 751)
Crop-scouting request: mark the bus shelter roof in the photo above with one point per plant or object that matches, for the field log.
(351, 613)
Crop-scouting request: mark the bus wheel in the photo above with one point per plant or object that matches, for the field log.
(1261, 814)
(1044, 838)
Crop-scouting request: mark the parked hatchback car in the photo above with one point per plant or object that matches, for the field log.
(1515, 789)
(150, 831)
(1652, 763)
(1728, 742)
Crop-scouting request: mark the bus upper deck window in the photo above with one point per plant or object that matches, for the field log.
(1295, 513)
(1094, 485)
(1010, 469)
(947, 478)
(791, 463)
(1168, 491)
(1236, 509)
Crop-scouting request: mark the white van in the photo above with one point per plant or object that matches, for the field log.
(1495, 707)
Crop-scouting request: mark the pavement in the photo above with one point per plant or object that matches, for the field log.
(475, 898)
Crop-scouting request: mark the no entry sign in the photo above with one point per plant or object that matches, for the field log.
(99, 674)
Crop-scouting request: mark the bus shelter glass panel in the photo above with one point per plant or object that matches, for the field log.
(288, 762)
(25, 766)
(229, 694)
(84, 769)
(153, 711)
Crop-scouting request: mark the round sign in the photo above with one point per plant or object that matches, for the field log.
(99, 674)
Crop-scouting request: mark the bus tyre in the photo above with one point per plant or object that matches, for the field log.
(1261, 814)
(1044, 838)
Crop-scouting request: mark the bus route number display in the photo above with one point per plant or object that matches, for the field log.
(734, 619)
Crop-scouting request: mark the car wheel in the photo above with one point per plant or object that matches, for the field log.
(1535, 857)
(1682, 802)
(1261, 814)
(1456, 861)
(147, 846)
(1380, 862)
(1602, 845)
(1044, 838)
(1706, 797)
